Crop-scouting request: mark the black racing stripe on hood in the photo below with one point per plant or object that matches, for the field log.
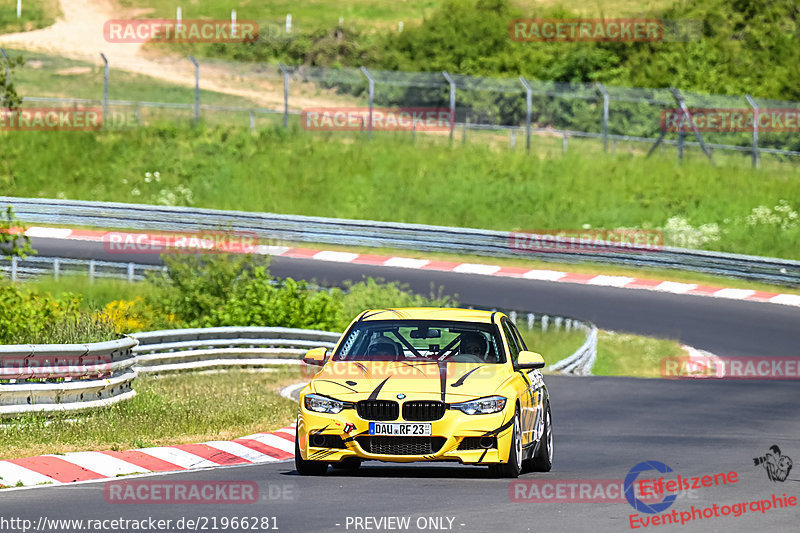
(465, 376)
(363, 368)
(335, 383)
(374, 394)
(442, 377)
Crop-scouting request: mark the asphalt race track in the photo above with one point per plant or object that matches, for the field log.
(724, 327)
(603, 427)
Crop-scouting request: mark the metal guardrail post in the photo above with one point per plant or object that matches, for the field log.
(196, 88)
(371, 95)
(452, 104)
(14, 265)
(91, 270)
(606, 100)
(131, 272)
(56, 265)
(105, 87)
(528, 106)
(756, 152)
(285, 72)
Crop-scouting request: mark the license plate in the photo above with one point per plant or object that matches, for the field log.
(421, 430)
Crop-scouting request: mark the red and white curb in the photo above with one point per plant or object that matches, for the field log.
(89, 466)
(128, 242)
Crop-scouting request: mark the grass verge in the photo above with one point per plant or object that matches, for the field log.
(168, 409)
(35, 14)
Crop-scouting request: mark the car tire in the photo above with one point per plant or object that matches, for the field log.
(542, 461)
(513, 468)
(305, 467)
(349, 463)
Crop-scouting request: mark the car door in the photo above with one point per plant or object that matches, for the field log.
(527, 399)
(536, 388)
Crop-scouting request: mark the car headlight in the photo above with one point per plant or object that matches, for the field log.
(481, 406)
(323, 404)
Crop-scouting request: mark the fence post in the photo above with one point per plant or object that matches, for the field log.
(19, 9)
(179, 17)
(105, 87)
(285, 72)
(252, 122)
(511, 139)
(56, 265)
(196, 88)
(5, 56)
(91, 270)
(756, 152)
(288, 23)
(528, 106)
(371, 95)
(452, 104)
(686, 115)
(603, 91)
(131, 267)
(564, 143)
(233, 23)
(14, 266)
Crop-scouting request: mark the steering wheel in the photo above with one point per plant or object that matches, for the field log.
(464, 358)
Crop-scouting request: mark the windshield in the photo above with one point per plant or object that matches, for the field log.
(407, 340)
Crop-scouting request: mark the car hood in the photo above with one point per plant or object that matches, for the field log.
(417, 379)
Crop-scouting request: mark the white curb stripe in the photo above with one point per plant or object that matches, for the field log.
(735, 294)
(675, 287)
(178, 457)
(102, 464)
(48, 233)
(263, 249)
(339, 257)
(11, 474)
(405, 262)
(786, 299)
(275, 442)
(544, 275)
(239, 450)
(610, 281)
(476, 268)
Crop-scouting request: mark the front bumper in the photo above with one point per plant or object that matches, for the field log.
(345, 435)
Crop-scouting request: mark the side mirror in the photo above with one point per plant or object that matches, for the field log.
(529, 360)
(315, 357)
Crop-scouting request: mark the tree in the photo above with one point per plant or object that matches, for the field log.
(13, 242)
(9, 99)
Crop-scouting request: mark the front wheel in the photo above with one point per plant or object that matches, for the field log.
(542, 461)
(305, 467)
(513, 468)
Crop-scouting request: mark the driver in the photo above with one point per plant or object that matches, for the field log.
(473, 344)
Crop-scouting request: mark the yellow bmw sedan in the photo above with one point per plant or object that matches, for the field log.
(426, 384)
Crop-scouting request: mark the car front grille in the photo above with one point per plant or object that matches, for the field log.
(423, 411)
(378, 409)
(401, 445)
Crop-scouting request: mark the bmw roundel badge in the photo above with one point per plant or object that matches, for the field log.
(401, 396)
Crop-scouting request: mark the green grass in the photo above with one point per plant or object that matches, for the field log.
(94, 296)
(390, 178)
(55, 76)
(554, 344)
(35, 14)
(622, 354)
(166, 410)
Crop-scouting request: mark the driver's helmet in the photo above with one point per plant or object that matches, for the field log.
(472, 343)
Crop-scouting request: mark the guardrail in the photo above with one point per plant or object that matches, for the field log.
(17, 268)
(419, 237)
(77, 377)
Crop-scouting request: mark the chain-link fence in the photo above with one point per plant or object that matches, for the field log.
(134, 91)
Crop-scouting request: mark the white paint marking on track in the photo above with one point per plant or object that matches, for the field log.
(610, 281)
(544, 275)
(476, 268)
(263, 249)
(102, 464)
(339, 257)
(11, 474)
(178, 457)
(276, 442)
(735, 294)
(675, 287)
(405, 262)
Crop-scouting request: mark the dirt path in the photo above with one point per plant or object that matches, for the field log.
(79, 35)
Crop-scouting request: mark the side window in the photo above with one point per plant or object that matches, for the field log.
(513, 348)
(515, 331)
